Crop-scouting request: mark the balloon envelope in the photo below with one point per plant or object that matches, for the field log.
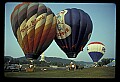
(74, 28)
(96, 50)
(34, 26)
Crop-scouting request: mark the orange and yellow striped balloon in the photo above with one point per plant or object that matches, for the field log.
(34, 26)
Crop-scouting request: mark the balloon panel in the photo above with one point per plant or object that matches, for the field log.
(74, 28)
(96, 47)
(96, 56)
(34, 26)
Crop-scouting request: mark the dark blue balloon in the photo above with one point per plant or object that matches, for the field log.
(74, 28)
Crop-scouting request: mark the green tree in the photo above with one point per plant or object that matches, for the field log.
(105, 61)
(100, 63)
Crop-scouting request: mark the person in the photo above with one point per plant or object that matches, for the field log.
(31, 65)
(20, 67)
(72, 66)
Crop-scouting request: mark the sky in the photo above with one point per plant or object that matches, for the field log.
(103, 16)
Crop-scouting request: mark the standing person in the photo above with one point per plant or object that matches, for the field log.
(20, 67)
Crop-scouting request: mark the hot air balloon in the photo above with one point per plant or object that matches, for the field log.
(96, 50)
(34, 26)
(74, 28)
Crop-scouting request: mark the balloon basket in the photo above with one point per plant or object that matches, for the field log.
(71, 55)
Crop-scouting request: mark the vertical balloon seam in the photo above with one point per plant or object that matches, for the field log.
(30, 13)
(21, 13)
(34, 28)
(71, 36)
(17, 31)
(19, 22)
(39, 47)
(13, 20)
(20, 35)
(24, 50)
(47, 36)
(50, 29)
(18, 27)
(79, 32)
(75, 28)
(35, 32)
(83, 22)
(38, 41)
(26, 43)
(67, 41)
(86, 34)
(83, 42)
(16, 8)
(53, 27)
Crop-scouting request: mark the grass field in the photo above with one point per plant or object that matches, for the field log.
(98, 72)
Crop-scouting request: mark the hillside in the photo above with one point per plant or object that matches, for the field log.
(48, 59)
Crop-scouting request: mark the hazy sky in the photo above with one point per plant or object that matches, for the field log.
(103, 16)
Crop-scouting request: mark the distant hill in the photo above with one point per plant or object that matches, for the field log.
(50, 59)
(9, 57)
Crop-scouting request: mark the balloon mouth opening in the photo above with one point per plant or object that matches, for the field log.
(31, 56)
(71, 55)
